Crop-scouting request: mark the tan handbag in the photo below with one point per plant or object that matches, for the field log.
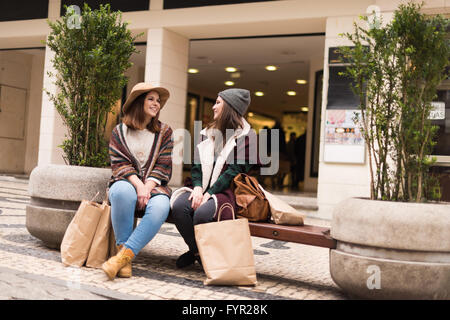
(281, 212)
(249, 197)
(79, 235)
(99, 251)
(226, 251)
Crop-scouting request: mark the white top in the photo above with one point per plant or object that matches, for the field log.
(140, 143)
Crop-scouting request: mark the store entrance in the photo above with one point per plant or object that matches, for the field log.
(280, 73)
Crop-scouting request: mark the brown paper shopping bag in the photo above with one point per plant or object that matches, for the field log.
(226, 251)
(281, 212)
(78, 238)
(99, 251)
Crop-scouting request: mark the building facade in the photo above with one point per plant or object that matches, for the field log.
(208, 36)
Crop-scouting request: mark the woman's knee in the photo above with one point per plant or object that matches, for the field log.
(181, 206)
(159, 205)
(205, 213)
(122, 192)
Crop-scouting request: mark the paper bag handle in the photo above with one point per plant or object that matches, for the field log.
(92, 200)
(224, 206)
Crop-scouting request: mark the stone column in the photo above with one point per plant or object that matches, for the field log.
(166, 65)
(52, 130)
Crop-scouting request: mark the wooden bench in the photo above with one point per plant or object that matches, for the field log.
(306, 234)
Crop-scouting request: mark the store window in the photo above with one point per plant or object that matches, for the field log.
(124, 6)
(177, 4)
(23, 10)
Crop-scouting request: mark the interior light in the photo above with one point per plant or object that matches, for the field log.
(192, 70)
(304, 109)
(229, 83)
(259, 93)
(230, 69)
(291, 93)
(271, 68)
(251, 114)
(301, 81)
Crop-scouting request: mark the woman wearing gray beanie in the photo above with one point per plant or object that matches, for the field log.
(217, 162)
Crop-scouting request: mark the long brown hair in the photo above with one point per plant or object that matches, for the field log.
(228, 119)
(135, 117)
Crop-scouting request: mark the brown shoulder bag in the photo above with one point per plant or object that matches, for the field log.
(251, 201)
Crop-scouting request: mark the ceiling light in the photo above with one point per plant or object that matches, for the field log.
(230, 69)
(192, 70)
(304, 109)
(291, 93)
(229, 83)
(251, 114)
(300, 81)
(259, 93)
(271, 68)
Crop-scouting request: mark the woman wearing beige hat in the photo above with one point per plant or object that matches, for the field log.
(141, 161)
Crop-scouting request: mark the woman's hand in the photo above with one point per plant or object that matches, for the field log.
(206, 197)
(142, 196)
(196, 197)
(142, 191)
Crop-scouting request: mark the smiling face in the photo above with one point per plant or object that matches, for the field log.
(152, 105)
(217, 108)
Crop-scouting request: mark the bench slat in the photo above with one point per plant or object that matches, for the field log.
(306, 234)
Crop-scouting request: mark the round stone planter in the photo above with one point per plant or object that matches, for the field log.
(56, 192)
(391, 250)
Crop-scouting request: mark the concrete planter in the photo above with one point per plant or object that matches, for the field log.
(391, 250)
(56, 192)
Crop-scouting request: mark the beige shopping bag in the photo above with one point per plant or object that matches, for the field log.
(226, 251)
(99, 251)
(281, 212)
(78, 238)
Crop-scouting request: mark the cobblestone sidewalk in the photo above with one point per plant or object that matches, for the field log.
(29, 270)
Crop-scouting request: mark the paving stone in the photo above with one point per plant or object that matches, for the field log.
(29, 270)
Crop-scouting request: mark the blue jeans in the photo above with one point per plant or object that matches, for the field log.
(123, 198)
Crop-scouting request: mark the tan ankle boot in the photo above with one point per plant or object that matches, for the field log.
(114, 264)
(126, 271)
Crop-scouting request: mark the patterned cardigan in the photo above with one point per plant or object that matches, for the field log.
(158, 165)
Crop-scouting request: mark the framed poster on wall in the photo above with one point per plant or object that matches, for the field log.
(344, 142)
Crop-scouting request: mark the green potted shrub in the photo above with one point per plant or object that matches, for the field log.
(396, 245)
(92, 52)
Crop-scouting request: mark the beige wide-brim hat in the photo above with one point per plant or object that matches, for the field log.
(143, 87)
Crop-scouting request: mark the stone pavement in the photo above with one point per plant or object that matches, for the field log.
(29, 270)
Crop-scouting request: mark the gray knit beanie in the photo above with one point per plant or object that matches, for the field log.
(238, 99)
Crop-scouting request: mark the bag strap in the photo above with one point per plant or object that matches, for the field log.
(92, 200)
(224, 206)
(255, 185)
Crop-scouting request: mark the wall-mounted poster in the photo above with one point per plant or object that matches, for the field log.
(344, 142)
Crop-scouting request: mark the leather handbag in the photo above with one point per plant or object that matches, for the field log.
(250, 199)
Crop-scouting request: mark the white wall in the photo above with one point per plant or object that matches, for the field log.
(340, 181)
(337, 182)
